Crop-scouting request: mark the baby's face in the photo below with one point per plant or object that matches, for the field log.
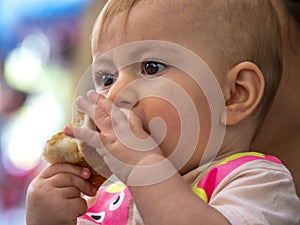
(140, 85)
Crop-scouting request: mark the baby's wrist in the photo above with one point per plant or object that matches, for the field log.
(150, 160)
(152, 169)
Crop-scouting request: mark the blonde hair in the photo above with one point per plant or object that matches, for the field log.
(238, 30)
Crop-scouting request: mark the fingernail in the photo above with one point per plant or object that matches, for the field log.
(79, 98)
(68, 131)
(92, 92)
(92, 95)
(85, 172)
(94, 191)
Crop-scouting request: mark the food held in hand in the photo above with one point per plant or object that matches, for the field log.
(64, 149)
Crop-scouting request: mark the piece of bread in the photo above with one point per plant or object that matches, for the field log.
(61, 148)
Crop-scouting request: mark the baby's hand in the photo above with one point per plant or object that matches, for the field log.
(120, 139)
(54, 197)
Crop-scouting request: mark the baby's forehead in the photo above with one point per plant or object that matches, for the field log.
(207, 22)
(163, 17)
(187, 12)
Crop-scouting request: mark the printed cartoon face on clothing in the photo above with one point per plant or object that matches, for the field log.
(112, 206)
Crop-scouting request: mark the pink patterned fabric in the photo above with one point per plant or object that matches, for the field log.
(114, 201)
(111, 207)
(214, 176)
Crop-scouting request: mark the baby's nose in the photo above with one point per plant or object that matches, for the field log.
(124, 91)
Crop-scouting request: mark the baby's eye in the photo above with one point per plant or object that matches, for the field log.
(104, 80)
(151, 68)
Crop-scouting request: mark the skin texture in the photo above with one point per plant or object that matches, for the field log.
(64, 183)
(280, 132)
(242, 87)
(242, 94)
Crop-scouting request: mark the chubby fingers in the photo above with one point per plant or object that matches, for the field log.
(69, 131)
(100, 100)
(66, 175)
(96, 106)
(93, 96)
(58, 168)
(76, 184)
(90, 137)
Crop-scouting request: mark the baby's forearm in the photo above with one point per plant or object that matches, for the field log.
(173, 202)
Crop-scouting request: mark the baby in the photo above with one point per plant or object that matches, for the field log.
(148, 64)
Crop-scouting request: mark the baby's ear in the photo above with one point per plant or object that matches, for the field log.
(243, 90)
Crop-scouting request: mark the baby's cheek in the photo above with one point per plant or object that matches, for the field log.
(165, 126)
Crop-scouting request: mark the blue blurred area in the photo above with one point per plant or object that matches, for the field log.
(37, 40)
(18, 15)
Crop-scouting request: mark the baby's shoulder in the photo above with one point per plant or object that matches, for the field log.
(244, 167)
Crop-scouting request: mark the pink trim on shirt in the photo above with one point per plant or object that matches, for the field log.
(217, 174)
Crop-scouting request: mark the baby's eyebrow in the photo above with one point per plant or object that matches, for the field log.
(99, 64)
(135, 52)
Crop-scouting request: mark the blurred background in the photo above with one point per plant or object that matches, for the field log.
(44, 51)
